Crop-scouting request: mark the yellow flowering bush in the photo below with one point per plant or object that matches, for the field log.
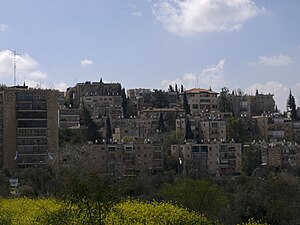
(26, 211)
(150, 213)
(253, 222)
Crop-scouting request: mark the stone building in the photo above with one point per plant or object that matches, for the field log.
(251, 105)
(98, 97)
(201, 100)
(29, 131)
(281, 155)
(204, 129)
(215, 158)
(125, 159)
(277, 128)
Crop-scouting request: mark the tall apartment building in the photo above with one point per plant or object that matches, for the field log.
(29, 131)
(201, 100)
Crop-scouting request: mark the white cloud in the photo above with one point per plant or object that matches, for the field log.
(27, 69)
(279, 90)
(86, 62)
(210, 77)
(60, 86)
(188, 17)
(134, 11)
(3, 27)
(275, 60)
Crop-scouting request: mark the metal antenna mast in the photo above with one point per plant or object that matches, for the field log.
(15, 68)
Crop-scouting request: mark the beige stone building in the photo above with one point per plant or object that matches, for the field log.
(99, 98)
(252, 105)
(29, 120)
(129, 159)
(274, 128)
(201, 100)
(214, 158)
(204, 129)
(278, 154)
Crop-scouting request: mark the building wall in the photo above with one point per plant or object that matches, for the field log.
(9, 130)
(201, 100)
(30, 125)
(214, 158)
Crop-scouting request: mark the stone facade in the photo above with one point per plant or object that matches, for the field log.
(30, 125)
(214, 158)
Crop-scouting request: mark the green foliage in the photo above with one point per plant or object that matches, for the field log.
(253, 222)
(149, 213)
(92, 133)
(241, 130)
(251, 159)
(197, 195)
(188, 129)
(161, 123)
(291, 105)
(224, 105)
(268, 197)
(186, 105)
(108, 130)
(160, 99)
(4, 184)
(72, 136)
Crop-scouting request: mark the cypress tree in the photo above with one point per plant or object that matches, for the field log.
(291, 106)
(186, 105)
(161, 123)
(108, 130)
(188, 130)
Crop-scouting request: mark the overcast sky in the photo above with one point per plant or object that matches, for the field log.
(245, 44)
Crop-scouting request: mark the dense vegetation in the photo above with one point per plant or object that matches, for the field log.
(28, 211)
(79, 195)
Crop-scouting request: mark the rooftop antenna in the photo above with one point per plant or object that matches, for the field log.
(15, 68)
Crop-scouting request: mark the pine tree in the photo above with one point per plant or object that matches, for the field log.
(291, 106)
(161, 123)
(188, 130)
(108, 130)
(92, 133)
(186, 105)
(124, 103)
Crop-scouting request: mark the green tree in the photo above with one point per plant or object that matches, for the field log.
(188, 129)
(161, 123)
(186, 105)
(92, 133)
(109, 136)
(160, 99)
(291, 106)
(198, 195)
(224, 104)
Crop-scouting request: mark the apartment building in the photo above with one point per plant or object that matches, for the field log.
(205, 129)
(127, 159)
(29, 128)
(69, 118)
(277, 154)
(273, 127)
(98, 97)
(201, 100)
(251, 105)
(216, 158)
